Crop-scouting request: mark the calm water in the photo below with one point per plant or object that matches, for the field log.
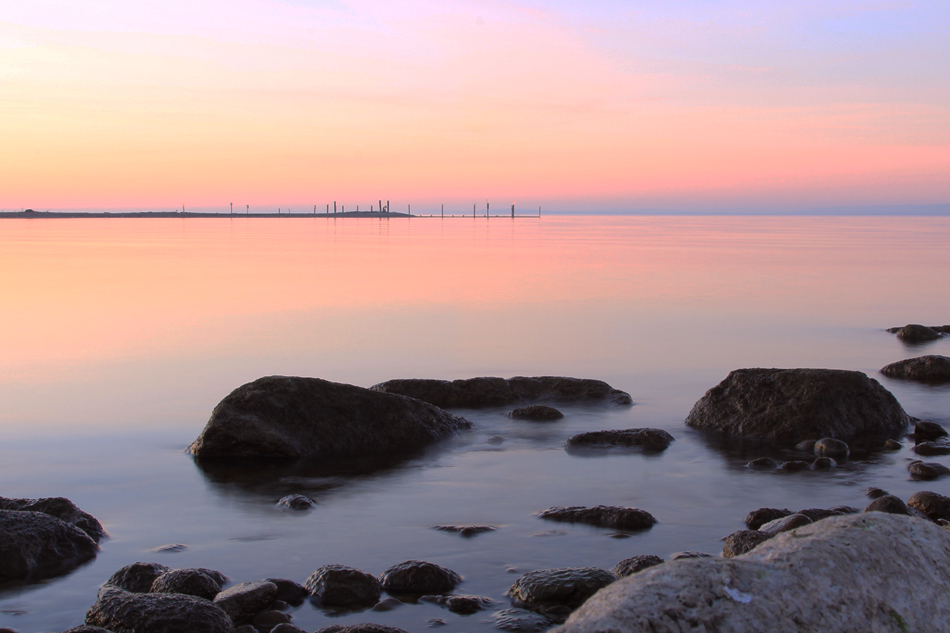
(118, 337)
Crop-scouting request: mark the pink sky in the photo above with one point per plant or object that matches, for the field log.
(667, 105)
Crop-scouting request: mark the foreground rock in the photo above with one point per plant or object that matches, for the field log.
(926, 471)
(743, 541)
(788, 405)
(935, 506)
(602, 516)
(916, 333)
(566, 586)
(124, 612)
(650, 440)
(419, 576)
(290, 417)
(792, 583)
(203, 583)
(636, 563)
(475, 393)
(137, 577)
(61, 508)
(341, 586)
(536, 413)
(246, 599)
(931, 368)
(34, 546)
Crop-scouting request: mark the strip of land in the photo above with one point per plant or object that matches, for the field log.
(29, 214)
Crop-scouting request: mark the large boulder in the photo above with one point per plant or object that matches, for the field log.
(290, 417)
(61, 508)
(124, 612)
(35, 545)
(849, 574)
(788, 405)
(931, 368)
(474, 393)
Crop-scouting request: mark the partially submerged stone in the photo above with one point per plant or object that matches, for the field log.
(743, 541)
(246, 599)
(925, 431)
(602, 516)
(757, 518)
(137, 577)
(635, 564)
(341, 586)
(475, 393)
(536, 413)
(934, 505)
(650, 440)
(419, 576)
(915, 333)
(61, 508)
(465, 530)
(463, 605)
(35, 545)
(289, 591)
(296, 502)
(125, 612)
(785, 524)
(927, 471)
(291, 417)
(931, 448)
(931, 368)
(830, 447)
(568, 586)
(364, 627)
(762, 463)
(889, 504)
(788, 404)
(203, 583)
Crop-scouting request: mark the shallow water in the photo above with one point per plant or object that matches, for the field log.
(118, 337)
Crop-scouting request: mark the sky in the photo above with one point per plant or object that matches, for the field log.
(586, 106)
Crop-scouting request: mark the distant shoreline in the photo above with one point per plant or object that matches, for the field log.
(39, 215)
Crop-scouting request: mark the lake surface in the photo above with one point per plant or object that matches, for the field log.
(118, 337)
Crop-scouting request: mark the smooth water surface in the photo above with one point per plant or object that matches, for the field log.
(118, 337)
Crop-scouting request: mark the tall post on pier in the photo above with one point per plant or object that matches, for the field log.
(473, 210)
(539, 212)
(334, 207)
(487, 209)
(380, 206)
(512, 210)
(443, 211)
(247, 211)
(314, 209)
(232, 208)
(387, 206)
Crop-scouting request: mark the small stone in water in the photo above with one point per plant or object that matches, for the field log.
(495, 439)
(465, 530)
(296, 502)
(434, 622)
(690, 554)
(794, 466)
(875, 493)
(762, 463)
(927, 470)
(174, 547)
(824, 463)
(892, 445)
(807, 445)
(387, 605)
(632, 565)
(830, 447)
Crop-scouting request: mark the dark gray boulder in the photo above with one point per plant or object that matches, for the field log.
(743, 541)
(567, 586)
(824, 463)
(137, 577)
(925, 431)
(520, 621)
(934, 505)
(788, 404)
(419, 576)
(757, 518)
(929, 449)
(830, 447)
(536, 413)
(191, 582)
(935, 369)
(602, 516)
(463, 605)
(247, 599)
(635, 563)
(34, 546)
(915, 333)
(889, 504)
(341, 586)
(650, 440)
(125, 612)
(926, 471)
(365, 627)
(290, 417)
(289, 591)
(475, 393)
(61, 508)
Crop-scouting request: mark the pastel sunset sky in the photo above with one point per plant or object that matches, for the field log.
(585, 106)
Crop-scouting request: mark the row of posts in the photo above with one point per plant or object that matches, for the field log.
(386, 210)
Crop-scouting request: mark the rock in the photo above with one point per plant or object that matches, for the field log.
(286, 628)
(267, 620)
(651, 440)
(290, 417)
(690, 553)
(417, 576)
(35, 545)
(808, 446)
(788, 404)
(124, 612)
(191, 582)
(934, 506)
(568, 586)
(520, 621)
(792, 583)
(365, 627)
(466, 530)
(824, 463)
(928, 449)
(785, 524)
(475, 393)
(387, 605)
(602, 516)
(463, 605)
(762, 463)
(889, 504)
(927, 471)
(757, 518)
(817, 514)
(536, 413)
(875, 493)
(247, 599)
(171, 548)
(84, 628)
(794, 466)
(892, 445)
(296, 502)
(926, 431)
(289, 591)
(495, 440)
(340, 586)
(61, 508)
(932, 368)
(137, 577)
(830, 447)
(743, 541)
(634, 564)
(915, 333)
(435, 622)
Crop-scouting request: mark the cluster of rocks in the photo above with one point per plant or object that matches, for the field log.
(916, 333)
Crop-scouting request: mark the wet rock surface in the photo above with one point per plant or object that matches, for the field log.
(420, 577)
(465, 530)
(757, 518)
(927, 471)
(338, 585)
(743, 541)
(916, 333)
(786, 405)
(520, 621)
(35, 545)
(193, 582)
(463, 605)
(889, 504)
(830, 447)
(292, 417)
(635, 563)
(925, 431)
(650, 440)
(536, 413)
(794, 466)
(246, 599)
(930, 448)
(762, 463)
(567, 586)
(933, 505)
(125, 612)
(791, 583)
(289, 591)
(137, 577)
(931, 368)
(690, 553)
(785, 524)
(475, 393)
(602, 516)
(61, 508)
(85, 628)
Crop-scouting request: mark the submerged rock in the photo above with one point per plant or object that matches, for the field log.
(296, 502)
(475, 393)
(34, 546)
(830, 447)
(520, 621)
(651, 440)
(757, 518)
(192, 582)
(935, 506)
(931, 368)
(928, 431)
(915, 333)
(824, 463)
(743, 541)
(602, 516)
(536, 413)
(792, 583)
(788, 404)
(341, 586)
(290, 417)
(762, 463)
(463, 605)
(418, 576)
(288, 591)
(465, 530)
(927, 471)
(124, 612)
(635, 563)
(61, 508)
(568, 586)
(137, 577)
(794, 466)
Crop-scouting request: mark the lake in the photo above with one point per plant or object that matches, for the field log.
(119, 336)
